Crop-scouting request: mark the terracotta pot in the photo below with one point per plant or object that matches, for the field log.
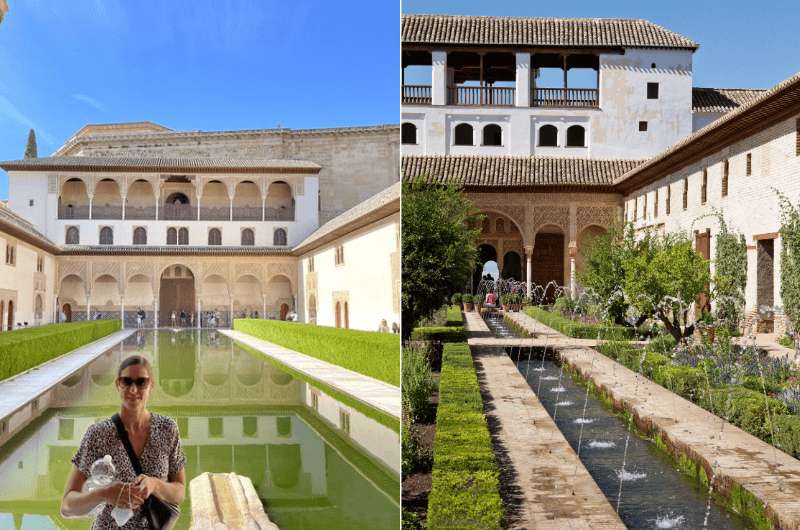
(477, 308)
(468, 306)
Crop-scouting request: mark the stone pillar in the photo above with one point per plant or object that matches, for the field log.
(528, 269)
(230, 321)
(157, 195)
(573, 251)
(264, 313)
(124, 201)
(522, 94)
(500, 257)
(199, 313)
(198, 192)
(91, 197)
(439, 78)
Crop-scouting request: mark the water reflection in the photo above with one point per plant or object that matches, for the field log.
(235, 413)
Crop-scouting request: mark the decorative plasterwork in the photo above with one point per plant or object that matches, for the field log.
(594, 215)
(551, 215)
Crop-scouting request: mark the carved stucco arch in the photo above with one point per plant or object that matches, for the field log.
(515, 214)
(601, 216)
(557, 216)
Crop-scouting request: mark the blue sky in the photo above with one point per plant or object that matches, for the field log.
(193, 65)
(742, 44)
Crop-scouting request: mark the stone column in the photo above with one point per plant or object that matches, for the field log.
(88, 304)
(523, 82)
(264, 313)
(439, 78)
(122, 310)
(573, 250)
(199, 315)
(500, 257)
(124, 201)
(198, 192)
(157, 195)
(91, 197)
(528, 269)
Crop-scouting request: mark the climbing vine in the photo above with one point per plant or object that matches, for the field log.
(730, 278)
(790, 260)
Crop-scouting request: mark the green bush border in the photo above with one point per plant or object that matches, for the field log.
(370, 353)
(454, 316)
(580, 330)
(440, 333)
(27, 348)
(465, 490)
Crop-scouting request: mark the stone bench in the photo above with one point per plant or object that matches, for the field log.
(227, 501)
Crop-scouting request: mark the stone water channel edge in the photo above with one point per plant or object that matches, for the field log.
(740, 459)
(557, 491)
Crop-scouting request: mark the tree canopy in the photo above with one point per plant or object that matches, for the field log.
(439, 238)
(30, 149)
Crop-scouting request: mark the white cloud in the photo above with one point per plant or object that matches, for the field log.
(89, 101)
(9, 112)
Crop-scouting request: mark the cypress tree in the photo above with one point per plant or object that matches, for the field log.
(30, 149)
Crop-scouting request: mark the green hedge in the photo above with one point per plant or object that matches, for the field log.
(454, 316)
(440, 333)
(465, 489)
(787, 434)
(746, 409)
(580, 330)
(24, 349)
(367, 352)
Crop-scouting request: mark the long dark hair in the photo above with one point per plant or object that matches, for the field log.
(134, 360)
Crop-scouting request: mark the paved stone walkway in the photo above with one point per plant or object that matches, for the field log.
(16, 392)
(375, 393)
(551, 488)
(741, 459)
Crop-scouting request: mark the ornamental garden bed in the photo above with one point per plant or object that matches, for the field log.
(370, 353)
(27, 348)
(580, 329)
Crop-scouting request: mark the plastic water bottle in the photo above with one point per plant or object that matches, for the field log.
(102, 474)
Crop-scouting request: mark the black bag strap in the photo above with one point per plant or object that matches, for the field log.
(126, 443)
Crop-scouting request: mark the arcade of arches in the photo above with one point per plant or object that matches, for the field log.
(193, 288)
(537, 238)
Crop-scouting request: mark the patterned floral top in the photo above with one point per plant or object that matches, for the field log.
(162, 458)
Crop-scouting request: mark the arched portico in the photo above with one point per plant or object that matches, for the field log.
(279, 293)
(176, 294)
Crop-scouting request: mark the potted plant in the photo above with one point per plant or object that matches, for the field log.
(456, 299)
(478, 302)
(467, 299)
(505, 301)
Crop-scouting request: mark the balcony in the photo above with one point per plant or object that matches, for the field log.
(581, 98)
(106, 212)
(220, 213)
(417, 94)
(177, 212)
(246, 213)
(474, 96)
(140, 213)
(279, 214)
(73, 212)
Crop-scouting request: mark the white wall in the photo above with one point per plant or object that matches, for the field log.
(18, 283)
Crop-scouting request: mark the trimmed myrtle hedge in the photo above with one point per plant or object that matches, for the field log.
(370, 353)
(440, 333)
(454, 317)
(465, 489)
(580, 330)
(24, 349)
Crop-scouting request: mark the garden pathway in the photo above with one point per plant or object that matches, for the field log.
(16, 392)
(377, 394)
(770, 475)
(547, 486)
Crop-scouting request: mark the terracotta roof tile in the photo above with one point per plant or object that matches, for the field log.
(515, 171)
(722, 99)
(103, 163)
(519, 31)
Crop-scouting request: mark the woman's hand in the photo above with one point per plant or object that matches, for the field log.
(146, 485)
(124, 495)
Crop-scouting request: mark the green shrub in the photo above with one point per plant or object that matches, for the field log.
(747, 409)
(418, 384)
(440, 333)
(664, 343)
(685, 381)
(580, 330)
(455, 299)
(367, 352)
(23, 349)
(411, 521)
(652, 362)
(786, 341)
(787, 434)
(454, 317)
(773, 385)
(465, 488)
(415, 457)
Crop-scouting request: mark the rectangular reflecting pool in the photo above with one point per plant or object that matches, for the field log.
(316, 461)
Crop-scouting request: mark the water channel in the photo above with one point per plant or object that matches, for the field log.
(314, 461)
(651, 492)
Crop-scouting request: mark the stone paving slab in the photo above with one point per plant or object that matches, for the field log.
(18, 391)
(741, 459)
(373, 392)
(555, 490)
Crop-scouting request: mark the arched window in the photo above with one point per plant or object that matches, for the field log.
(548, 136)
(248, 238)
(408, 133)
(279, 237)
(214, 237)
(172, 236)
(576, 136)
(177, 198)
(486, 225)
(106, 236)
(492, 135)
(346, 316)
(139, 236)
(73, 236)
(183, 236)
(463, 134)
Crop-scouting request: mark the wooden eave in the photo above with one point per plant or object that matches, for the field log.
(493, 48)
(20, 233)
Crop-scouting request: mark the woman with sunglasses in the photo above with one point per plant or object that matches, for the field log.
(154, 439)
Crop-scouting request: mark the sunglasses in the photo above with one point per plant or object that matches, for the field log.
(141, 382)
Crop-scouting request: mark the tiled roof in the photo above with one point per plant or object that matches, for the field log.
(11, 222)
(763, 111)
(173, 250)
(518, 31)
(374, 208)
(166, 165)
(722, 99)
(515, 171)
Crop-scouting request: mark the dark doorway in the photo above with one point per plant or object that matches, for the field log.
(548, 263)
(176, 294)
(765, 273)
(485, 253)
(512, 266)
(702, 244)
(67, 309)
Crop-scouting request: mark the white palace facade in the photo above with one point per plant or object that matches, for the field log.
(557, 128)
(135, 216)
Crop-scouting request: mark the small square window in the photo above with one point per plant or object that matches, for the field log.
(315, 401)
(652, 90)
(642, 126)
(215, 428)
(250, 426)
(344, 421)
(30, 202)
